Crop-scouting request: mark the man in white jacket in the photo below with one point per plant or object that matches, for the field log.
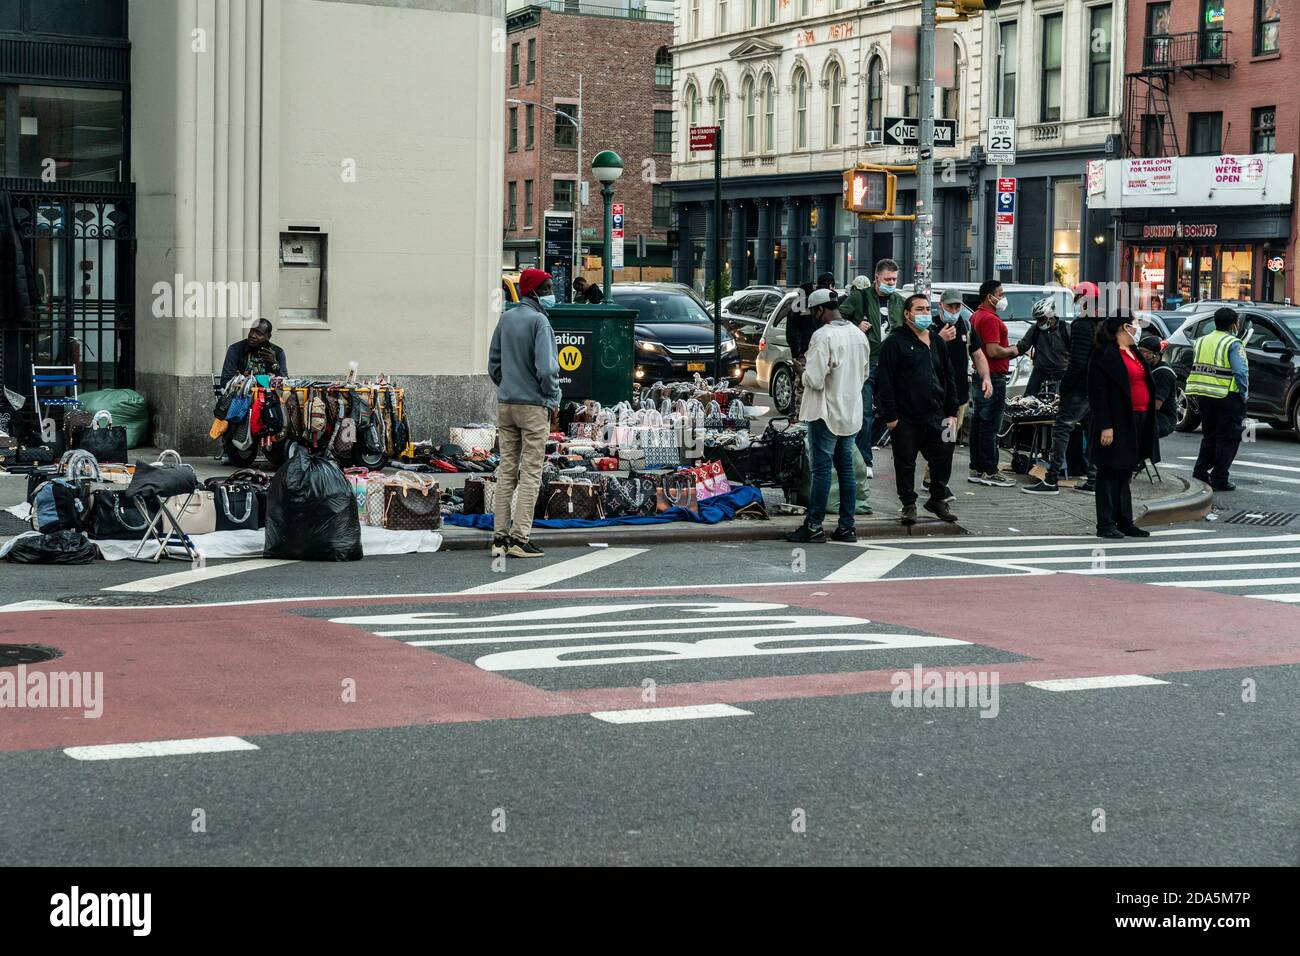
(835, 367)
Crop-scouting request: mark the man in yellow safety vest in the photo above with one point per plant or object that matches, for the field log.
(1220, 381)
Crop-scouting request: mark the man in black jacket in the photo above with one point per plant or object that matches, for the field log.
(1050, 341)
(255, 355)
(1074, 403)
(918, 403)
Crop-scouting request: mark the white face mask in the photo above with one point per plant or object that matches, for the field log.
(1002, 304)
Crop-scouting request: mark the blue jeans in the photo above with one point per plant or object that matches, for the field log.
(867, 433)
(830, 449)
(985, 424)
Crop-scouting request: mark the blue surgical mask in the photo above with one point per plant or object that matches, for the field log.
(888, 289)
(950, 318)
(548, 301)
(923, 321)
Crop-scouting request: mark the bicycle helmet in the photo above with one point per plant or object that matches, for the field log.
(1044, 309)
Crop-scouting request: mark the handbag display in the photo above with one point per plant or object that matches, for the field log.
(237, 508)
(574, 499)
(115, 517)
(677, 491)
(409, 507)
(662, 456)
(479, 496)
(35, 455)
(199, 515)
(103, 439)
(480, 437)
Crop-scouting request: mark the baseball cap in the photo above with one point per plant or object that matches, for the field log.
(950, 297)
(823, 297)
(531, 279)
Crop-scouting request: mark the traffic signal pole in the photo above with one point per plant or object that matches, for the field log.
(717, 255)
(924, 237)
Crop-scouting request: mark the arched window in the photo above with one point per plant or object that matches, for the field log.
(800, 109)
(875, 93)
(835, 107)
(952, 95)
(691, 99)
(663, 69)
(751, 113)
(719, 97)
(769, 114)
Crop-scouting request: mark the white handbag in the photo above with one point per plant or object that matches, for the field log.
(474, 437)
(197, 515)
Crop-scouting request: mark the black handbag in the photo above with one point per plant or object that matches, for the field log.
(36, 455)
(238, 507)
(114, 516)
(106, 442)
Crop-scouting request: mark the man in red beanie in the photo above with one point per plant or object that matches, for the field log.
(525, 368)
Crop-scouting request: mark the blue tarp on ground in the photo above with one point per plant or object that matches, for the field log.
(713, 510)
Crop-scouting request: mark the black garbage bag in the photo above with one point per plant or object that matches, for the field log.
(58, 547)
(311, 511)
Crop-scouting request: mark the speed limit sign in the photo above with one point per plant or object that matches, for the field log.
(1001, 144)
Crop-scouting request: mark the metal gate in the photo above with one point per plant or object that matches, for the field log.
(79, 242)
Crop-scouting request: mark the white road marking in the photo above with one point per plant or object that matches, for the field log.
(871, 565)
(165, 582)
(1282, 598)
(564, 614)
(634, 629)
(39, 606)
(160, 748)
(1109, 546)
(555, 573)
(1238, 473)
(1107, 557)
(1187, 568)
(646, 715)
(1228, 583)
(1252, 464)
(1094, 683)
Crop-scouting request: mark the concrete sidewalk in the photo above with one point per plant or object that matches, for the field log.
(979, 509)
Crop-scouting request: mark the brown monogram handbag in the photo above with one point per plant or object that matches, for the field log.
(410, 507)
(574, 499)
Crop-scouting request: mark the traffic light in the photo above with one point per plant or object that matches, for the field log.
(870, 191)
(966, 8)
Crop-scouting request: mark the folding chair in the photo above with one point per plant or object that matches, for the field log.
(162, 480)
(53, 378)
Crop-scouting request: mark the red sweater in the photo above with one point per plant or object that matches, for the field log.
(1137, 381)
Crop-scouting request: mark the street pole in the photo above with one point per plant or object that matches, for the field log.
(717, 255)
(925, 154)
(606, 264)
(576, 268)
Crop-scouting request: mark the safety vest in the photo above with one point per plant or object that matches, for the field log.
(1211, 371)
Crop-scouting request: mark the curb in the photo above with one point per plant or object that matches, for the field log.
(1193, 505)
(773, 529)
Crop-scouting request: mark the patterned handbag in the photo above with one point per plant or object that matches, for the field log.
(411, 507)
(574, 499)
(677, 491)
(480, 436)
(480, 495)
(584, 430)
(662, 456)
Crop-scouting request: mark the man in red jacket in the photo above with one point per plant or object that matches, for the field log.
(986, 420)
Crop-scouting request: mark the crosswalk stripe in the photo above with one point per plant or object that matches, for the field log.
(160, 748)
(1095, 683)
(871, 565)
(1187, 569)
(1252, 464)
(1229, 583)
(1238, 473)
(1108, 546)
(165, 582)
(555, 573)
(1108, 558)
(645, 715)
(1282, 598)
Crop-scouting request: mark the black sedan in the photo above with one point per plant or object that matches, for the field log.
(1272, 342)
(674, 335)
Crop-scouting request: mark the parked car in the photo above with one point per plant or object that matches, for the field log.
(674, 335)
(1271, 335)
(1209, 305)
(745, 315)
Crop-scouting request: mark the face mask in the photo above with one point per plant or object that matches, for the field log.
(1002, 304)
(548, 301)
(1134, 331)
(1045, 323)
(888, 289)
(951, 317)
(923, 321)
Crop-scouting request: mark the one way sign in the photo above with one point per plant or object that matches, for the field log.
(906, 131)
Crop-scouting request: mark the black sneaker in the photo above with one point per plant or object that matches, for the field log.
(1088, 487)
(1133, 531)
(909, 514)
(805, 535)
(500, 544)
(940, 509)
(1223, 486)
(1044, 486)
(925, 482)
(523, 548)
(844, 534)
(1110, 533)
(1204, 478)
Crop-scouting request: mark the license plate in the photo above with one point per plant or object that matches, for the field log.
(695, 366)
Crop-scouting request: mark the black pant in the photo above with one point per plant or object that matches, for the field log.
(908, 440)
(1221, 423)
(1114, 500)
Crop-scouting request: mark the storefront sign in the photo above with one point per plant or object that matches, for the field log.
(557, 251)
(1238, 172)
(1096, 177)
(1149, 176)
(575, 363)
(1176, 230)
(1276, 264)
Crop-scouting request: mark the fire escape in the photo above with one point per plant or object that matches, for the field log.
(1150, 129)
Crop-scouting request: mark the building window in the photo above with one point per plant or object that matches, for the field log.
(1007, 69)
(562, 199)
(514, 128)
(951, 102)
(101, 18)
(722, 17)
(663, 69)
(528, 204)
(662, 212)
(875, 94)
(769, 114)
(1268, 26)
(663, 131)
(1153, 134)
(1099, 37)
(528, 127)
(81, 130)
(800, 109)
(912, 102)
(1067, 216)
(1050, 91)
(751, 110)
(566, 130)
(754, 7)
(772, 15)
(513, 206)
(1206, 134)
(514, 64)
(834, 77)
(1212, 35)
(804, 7)
(1157, 40)
(532, 61)
(1263, 129)
(719, 97)
(695, 20)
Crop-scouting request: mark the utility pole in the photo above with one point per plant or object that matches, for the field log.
(576, 268)
(924, 237)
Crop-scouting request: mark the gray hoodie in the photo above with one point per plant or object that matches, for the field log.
(523, 362)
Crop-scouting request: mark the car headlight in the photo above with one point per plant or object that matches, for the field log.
(645, 345)
(728, 346)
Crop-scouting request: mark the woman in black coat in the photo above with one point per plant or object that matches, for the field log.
(1121, 397)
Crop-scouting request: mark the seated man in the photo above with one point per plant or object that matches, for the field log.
(255, 355)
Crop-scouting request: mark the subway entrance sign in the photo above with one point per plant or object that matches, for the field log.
(595, 347)
(574, 350)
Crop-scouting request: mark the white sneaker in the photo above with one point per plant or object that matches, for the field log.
(871, 472)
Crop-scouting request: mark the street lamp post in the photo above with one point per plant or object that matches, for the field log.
(606, 167)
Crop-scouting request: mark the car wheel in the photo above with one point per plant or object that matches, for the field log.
(1187, 412)
(782, 390)
(1295, 418)
(374, 462)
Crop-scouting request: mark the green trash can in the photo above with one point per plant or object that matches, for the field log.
(597, 351)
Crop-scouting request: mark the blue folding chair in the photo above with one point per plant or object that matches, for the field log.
(52, 379)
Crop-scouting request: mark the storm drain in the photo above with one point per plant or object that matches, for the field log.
(122, 600)
(1261, 519)
(11, 655)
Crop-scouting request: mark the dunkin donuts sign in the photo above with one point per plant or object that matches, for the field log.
(1195, 230)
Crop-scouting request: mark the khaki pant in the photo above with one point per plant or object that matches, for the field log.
(522, 431)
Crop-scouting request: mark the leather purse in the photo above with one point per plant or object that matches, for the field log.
(479, 496)
(574, 499)
(115, 517)
(411, 507)
(474, 436)
(677, 491)
(106, 441)
(198, 516)
(237, 507)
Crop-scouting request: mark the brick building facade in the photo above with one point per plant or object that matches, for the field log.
(1211, 85)
(627, 107)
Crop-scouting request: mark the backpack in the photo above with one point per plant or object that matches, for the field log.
(368, 428)
(317, 419)
(272, 413)
(60, 505)
(292, 410)
(345, 431)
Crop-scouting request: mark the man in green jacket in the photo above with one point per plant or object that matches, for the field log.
(874, 307)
